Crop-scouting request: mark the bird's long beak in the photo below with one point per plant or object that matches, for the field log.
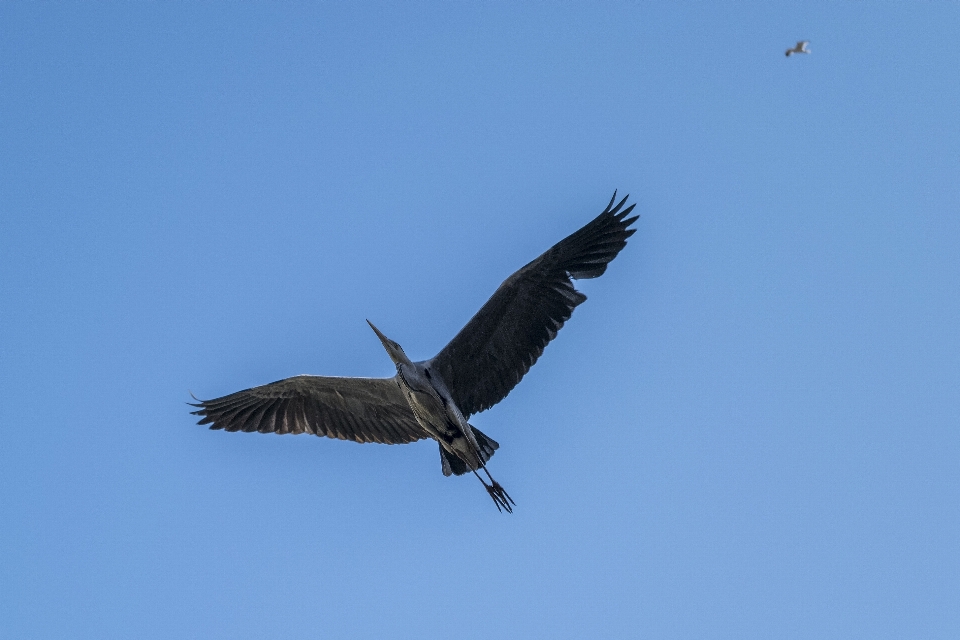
(382, 337)
(393, 349)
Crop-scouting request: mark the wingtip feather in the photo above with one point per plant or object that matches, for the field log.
(610, 204)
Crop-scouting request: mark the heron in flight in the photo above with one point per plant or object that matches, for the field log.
(801, 47)
(434, 398)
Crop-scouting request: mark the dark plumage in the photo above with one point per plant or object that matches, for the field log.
(497, 347)
(434, 398)
(358, 409)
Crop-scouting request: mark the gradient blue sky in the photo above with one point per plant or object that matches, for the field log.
(750, 430)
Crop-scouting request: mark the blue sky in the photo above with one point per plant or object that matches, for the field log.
(750, 430)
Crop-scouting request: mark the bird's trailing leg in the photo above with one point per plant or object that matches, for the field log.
(500, 490)
(500, 497)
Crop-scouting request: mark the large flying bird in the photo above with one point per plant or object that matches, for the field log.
(435, 398)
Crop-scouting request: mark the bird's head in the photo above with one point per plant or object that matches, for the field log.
(394, 350)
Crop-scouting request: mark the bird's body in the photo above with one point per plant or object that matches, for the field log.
(463, 447)
(434, 398)
(800, 47)
(436, 412)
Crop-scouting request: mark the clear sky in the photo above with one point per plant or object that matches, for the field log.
(750, 430)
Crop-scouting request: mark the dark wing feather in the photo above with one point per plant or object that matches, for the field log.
(358, 409)
(504, 339)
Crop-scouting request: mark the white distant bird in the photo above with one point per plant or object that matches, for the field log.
(800, 48)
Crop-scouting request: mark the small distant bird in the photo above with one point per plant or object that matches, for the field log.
(434, 398)
(800, 48)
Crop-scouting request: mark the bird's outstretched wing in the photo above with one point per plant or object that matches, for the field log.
(358, 409)
(506, 336)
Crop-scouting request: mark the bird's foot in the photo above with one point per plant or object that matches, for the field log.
(500, 497)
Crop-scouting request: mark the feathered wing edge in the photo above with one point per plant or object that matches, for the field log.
(495, 349)
(358, 409)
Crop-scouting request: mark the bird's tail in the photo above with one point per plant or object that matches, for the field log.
(488, 445)
(452, 465)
